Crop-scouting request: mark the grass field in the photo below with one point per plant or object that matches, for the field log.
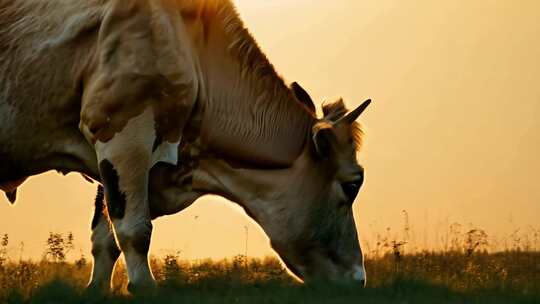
(444, 277)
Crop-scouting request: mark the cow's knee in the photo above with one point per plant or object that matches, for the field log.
(106, 249)
(135, 238)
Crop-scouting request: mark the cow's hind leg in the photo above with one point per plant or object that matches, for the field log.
(104, 249)
(124, 164)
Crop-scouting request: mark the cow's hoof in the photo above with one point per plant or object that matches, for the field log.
(142, 289)
(97, 289)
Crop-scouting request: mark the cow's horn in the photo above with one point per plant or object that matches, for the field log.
(354, 114)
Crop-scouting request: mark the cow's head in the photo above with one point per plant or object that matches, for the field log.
(306, 209)
(316, 235)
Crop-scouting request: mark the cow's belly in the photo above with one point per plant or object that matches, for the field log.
(31, 145)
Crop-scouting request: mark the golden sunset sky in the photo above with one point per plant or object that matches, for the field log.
(452, 135)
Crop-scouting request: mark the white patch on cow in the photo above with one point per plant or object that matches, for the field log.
(166, 152)
(138, 132)
(139, 129)
(359, 274)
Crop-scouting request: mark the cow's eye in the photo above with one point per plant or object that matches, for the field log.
(351, 189)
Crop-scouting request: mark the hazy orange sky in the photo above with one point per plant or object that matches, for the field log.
(453, 134)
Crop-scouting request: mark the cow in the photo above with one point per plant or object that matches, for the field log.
(162, 102)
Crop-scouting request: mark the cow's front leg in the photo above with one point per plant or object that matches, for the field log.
(124, 165)
(105, 251)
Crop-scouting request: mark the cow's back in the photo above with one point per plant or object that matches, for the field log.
(44, 47)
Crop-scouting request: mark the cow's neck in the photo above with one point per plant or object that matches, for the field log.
(249, 112)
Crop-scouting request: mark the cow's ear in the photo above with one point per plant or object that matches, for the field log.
(324, 139)
(12, 196)
(303, 96)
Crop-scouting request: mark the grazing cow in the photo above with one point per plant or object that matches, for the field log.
(163, 101)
